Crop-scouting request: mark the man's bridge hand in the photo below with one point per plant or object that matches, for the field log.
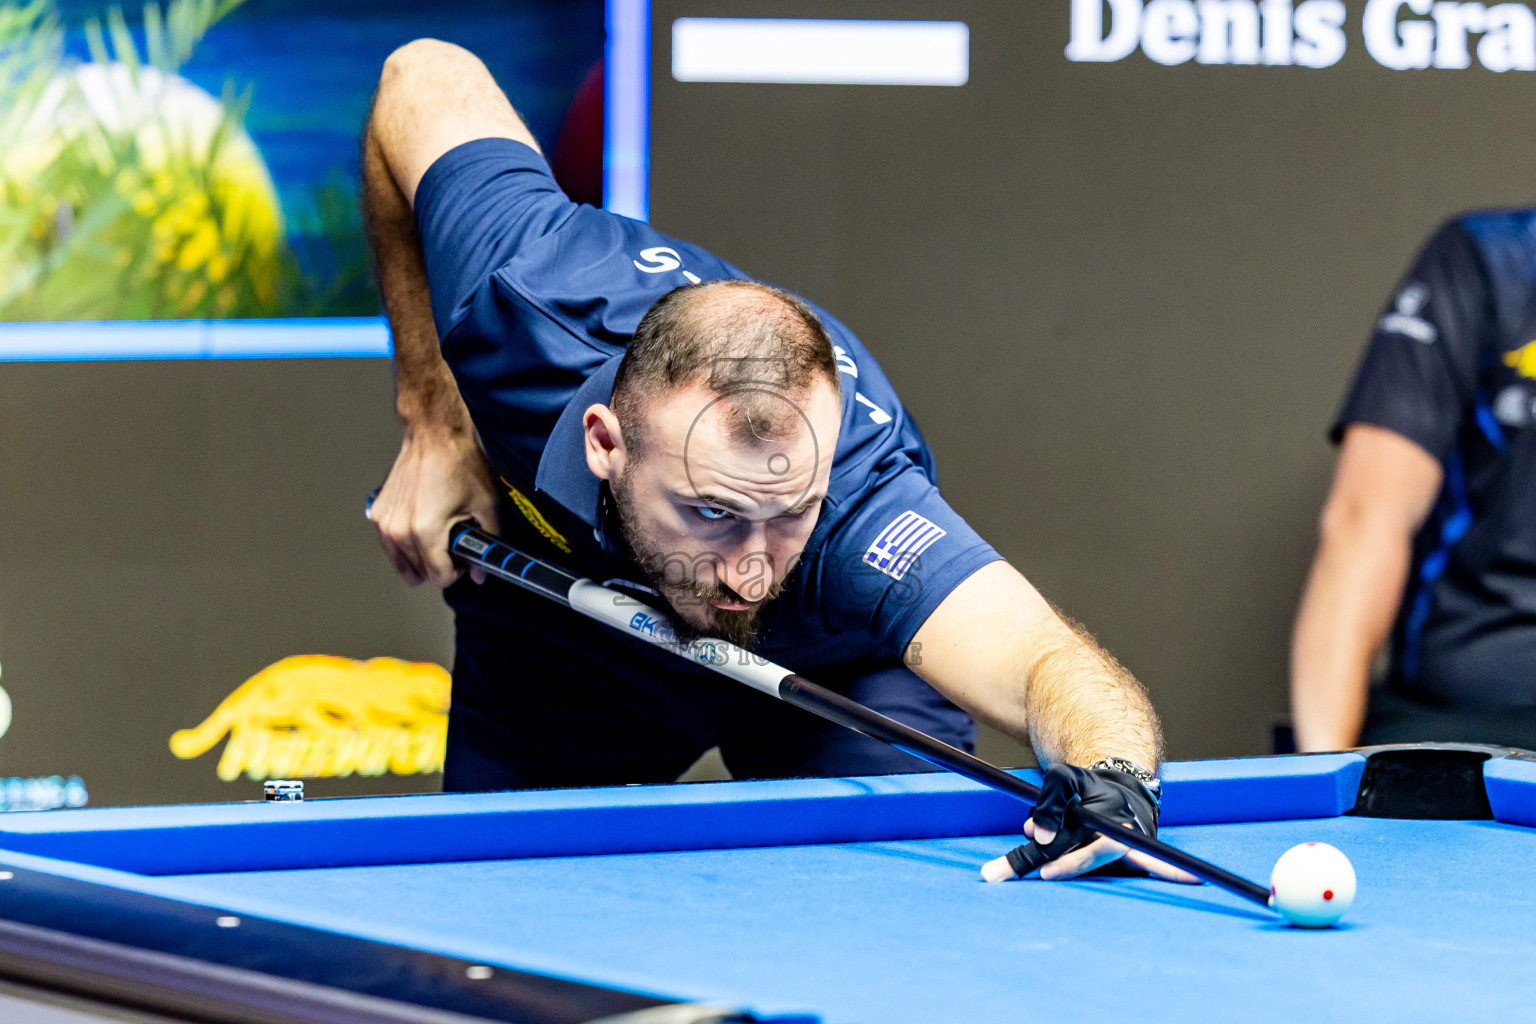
(1062, 848)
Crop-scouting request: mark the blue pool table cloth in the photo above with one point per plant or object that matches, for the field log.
(858, 901)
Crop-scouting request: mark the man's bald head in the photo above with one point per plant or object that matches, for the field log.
(749, 343)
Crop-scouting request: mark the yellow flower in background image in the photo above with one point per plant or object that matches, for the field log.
(128, 192)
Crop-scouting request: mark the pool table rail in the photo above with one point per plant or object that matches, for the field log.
(130, 950)
(260, 836)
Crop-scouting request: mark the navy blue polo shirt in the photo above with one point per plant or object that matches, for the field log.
(535, 299)
(1452, 367)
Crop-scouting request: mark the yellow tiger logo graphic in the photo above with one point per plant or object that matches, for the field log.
(317, 716)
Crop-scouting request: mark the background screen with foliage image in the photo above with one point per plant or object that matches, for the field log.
(199, 159)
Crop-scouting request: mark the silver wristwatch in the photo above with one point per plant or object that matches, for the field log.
(1153, 784)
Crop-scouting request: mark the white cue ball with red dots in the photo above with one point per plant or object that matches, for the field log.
(1312, 885)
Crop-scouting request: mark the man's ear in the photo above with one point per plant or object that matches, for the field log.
(605, 442)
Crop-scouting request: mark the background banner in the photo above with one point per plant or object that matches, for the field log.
(200, 159)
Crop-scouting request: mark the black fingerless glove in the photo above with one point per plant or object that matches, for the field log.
(1115, 795)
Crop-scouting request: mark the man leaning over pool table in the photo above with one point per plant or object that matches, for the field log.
(633, 408)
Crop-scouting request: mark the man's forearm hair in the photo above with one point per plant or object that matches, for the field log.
(1083, 705)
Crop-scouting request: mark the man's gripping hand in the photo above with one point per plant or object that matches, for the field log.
(439, 478)
(1060, 847)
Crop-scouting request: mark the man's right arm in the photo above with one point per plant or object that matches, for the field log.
(432, 97)
(1383, 489)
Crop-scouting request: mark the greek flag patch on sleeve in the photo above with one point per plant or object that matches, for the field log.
(899, 544)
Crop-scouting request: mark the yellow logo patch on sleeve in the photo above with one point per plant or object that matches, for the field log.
(535, 517)
(1523, 359)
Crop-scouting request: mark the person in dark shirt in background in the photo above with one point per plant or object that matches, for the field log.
(1428, 538)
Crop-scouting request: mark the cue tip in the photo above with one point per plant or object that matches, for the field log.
(998, 870)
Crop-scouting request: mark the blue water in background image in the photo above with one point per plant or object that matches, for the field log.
(313, 66)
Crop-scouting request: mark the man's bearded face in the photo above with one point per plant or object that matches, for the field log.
(705, 606)
(717, 522)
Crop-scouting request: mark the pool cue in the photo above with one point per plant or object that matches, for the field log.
(472, 546)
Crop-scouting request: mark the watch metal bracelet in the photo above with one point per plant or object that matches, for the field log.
(1152, 783)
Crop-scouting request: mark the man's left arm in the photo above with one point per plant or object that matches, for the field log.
(997, 648)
